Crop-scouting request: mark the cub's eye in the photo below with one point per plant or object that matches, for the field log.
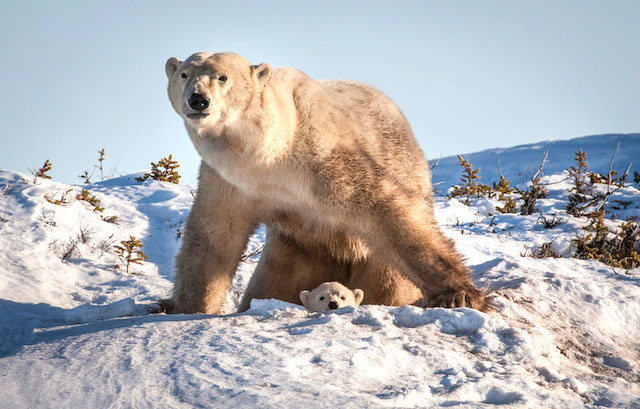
(343, 297)
(321, 298)
(222, 78)
(183, 75)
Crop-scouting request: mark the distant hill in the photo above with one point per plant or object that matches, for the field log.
(525, 159)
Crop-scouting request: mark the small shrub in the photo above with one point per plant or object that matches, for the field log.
(504, 191)
(85, 233)
(48, 220)
(70, 249)
(104, 245)
(616, 250)
(130, 252)
(86, 176)
(164, 171)
(86, 196)
(43, 172)
(64, 198)
(535, 190)
(581, 190)
(99, 165)
(610, 178)
(530, 196)
(550, 223)
(469, 187)
(545, 251)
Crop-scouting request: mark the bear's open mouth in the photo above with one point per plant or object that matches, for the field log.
(198, 115)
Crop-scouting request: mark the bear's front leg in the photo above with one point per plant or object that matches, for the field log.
(216, 234)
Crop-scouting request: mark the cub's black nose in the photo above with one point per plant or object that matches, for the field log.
(198, 102)
(333, 305)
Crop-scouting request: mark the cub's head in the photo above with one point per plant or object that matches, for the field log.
(330, 296)
(212, 89)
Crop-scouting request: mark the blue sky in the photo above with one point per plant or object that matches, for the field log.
(78, 76)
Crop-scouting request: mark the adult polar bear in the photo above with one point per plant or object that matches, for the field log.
(333, 171)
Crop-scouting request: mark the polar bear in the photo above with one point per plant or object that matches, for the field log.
(331, 168)
(330, 296)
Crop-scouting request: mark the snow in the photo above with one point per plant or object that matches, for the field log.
(90, 313)
(565, 333)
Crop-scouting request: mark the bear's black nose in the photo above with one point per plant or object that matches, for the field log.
(198, 102)
(333, 305)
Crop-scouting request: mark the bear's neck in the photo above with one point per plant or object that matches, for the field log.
(265, 130)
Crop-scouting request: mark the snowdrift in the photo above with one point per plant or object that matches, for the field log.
(77, 333)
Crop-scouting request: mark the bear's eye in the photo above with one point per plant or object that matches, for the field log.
(183, 75)
(342, 297)
(222, 78)
(321, 298)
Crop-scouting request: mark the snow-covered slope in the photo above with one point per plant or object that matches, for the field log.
(519, 163)
(565, 332)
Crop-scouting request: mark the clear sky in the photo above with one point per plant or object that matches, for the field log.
(78, 76)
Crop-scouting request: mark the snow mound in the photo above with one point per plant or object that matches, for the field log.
(90, 313)
(77, 333)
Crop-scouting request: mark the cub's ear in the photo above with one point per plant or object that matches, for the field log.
(358, 294)
(261, 73)
(304, 297)
(171, 66)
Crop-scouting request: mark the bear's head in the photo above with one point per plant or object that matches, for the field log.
(210, 89)
(330, 296)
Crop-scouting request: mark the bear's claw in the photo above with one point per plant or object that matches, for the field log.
(450, 298)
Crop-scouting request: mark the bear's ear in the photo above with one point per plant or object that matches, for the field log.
(261, 73)
(304, 297)
(358, 294)
(171, 66)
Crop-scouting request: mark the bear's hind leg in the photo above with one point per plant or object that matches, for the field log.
(382, 285)
(285, 269)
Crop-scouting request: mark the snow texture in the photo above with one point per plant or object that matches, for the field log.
(77, 333)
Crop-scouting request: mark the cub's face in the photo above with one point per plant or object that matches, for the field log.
(213, 89)
(330, 296)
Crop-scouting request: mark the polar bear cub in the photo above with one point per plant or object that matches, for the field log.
(330, 296)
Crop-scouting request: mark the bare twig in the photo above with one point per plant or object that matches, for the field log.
(85, 233)
(535, 191)
(104, 245)
(434, 164)
(48, 220)
(623, 180)
(544, 160)
(552, 222)
(554, 183)
(604, 198)
(611, 164)
(113, 171)
(253, 253)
